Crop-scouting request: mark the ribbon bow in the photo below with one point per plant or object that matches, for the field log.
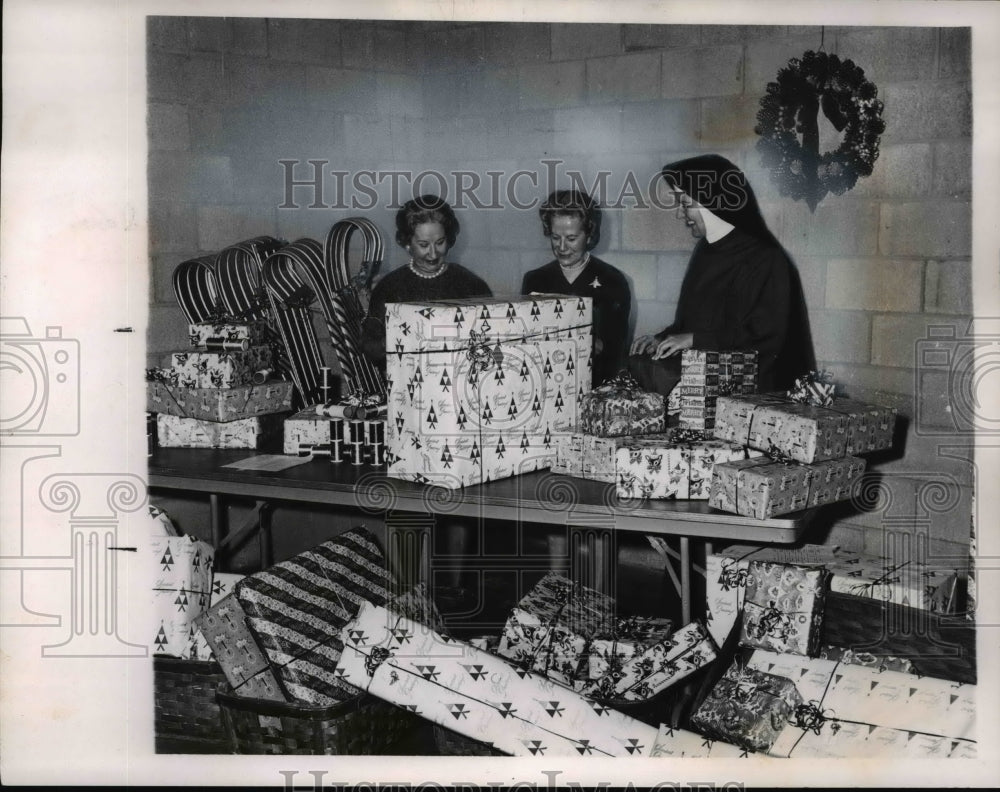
(810, 717)
(481, 355)
(815, 388)
(772, 622)
(623, 381)
(164, 375)
(689, 436)
(733, 578)
(378, 656)
(887, 577)
(777, 455)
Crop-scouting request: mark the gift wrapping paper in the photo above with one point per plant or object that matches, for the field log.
(296, 609)
(620, 407)
(209, 334)
(478, 389)
(747, 707)
(763, 488)
(219, 404)
(230, 369)
(706, 375)
(672, 465)
(549, 630)
(480, 695)
(587, 456)
(804, 432)
(784, 607)
(416, 604)
(222, 587)
(175, 432)
(909, 582)
(878, 662)
(181, 591)
(225, 630)
(860, 711)
(679, 743)
(631, 636)
(658, 667)
(305, 430)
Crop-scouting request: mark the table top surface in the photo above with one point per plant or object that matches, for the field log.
(541, 496)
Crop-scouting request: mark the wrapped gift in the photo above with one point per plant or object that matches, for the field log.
(747, 707)
(550, 628)
(620, 407)
(912, 582)
(416, 604)
(867, 659)
(296, 609)
(804, 432)
(764, 487)
(480, 695)
(222, 587)
(630, 637)
(485, 643)
(677, 464)
(478, 388)
(224, 628)
(228, 335)
(679, 743)
(845, 705)
(784, 607)
(181, 591)
(175, 432)
(203, 369)
(592, 456)
(219, 404)
(658, 667)
(305, 430)
(706, 375)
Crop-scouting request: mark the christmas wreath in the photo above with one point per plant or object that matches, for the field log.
(791, 108)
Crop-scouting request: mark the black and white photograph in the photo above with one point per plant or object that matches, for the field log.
(480, 394)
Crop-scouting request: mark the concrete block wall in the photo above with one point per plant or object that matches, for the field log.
(882, 266)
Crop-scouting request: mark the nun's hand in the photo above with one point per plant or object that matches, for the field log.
(643, 345)
(673, 344)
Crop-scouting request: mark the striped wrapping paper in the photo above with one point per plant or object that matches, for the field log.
(297, 608)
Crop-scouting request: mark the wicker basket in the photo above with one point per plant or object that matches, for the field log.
(451, 743)
(186, 716)
(360, 726)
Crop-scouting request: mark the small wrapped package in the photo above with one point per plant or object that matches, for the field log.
(481, 695)
(784, 607)
(203, 369)
(587, 456)
(680, 744)
(175, 432)
(620, 407)
(764, 487)
(706, 375)
(181, 591)
(305, 430)
(914, 583)
(675, 465)
(630, 637)
(550, 629)
(748, 708)
(222, 587)
(227, 336)
(219, 404)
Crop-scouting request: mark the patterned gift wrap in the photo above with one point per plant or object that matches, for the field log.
(480, 695)
(748, 708)
(175, 432)
(661, 665)
(677, 464)
(679, 743)
(305, 430)
(620, 407)
(763, 487)
(804, 432)
(222, 587)
(219, 404)
(858, 711)
(784, 607)
(706, 375)
(478, 390)
(297, 608)
(630, 637)
(230, 369)
(549, 630)
(867, 659)
(208, 335)
(181, 591)
(591, 456)
(912, 582)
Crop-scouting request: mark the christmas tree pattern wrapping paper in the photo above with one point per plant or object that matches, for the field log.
(181, 591)
(680, 743)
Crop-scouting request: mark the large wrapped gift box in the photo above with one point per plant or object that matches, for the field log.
(478, 388)
(620, 407)
(747, 707)
(173, 431)
(219, 404)
(658, 667)
(480, 695)
(296, 609)
(181, 591)
(706, 375)
(855, 711)
(550, 629)
(763, 487)
(228, 335)
(804, 432)
(214, 369)
(677, 464)
(784, 607)
(630, 636)
(222, 587)
(680, 743)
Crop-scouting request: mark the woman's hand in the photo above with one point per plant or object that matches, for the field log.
(673, 344)
(643, 345)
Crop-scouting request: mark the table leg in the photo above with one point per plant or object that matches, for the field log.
(266, 546)
(685, 580)
(216, 518)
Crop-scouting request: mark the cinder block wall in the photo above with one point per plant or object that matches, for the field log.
(881, 265)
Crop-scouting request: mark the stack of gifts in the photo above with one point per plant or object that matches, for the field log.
(810, 438)
(620, 407)
(219, 394)
(313, 433)
(707, 375)
(479, 388)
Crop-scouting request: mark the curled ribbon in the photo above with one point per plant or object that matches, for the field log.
(777, 455)
(164, 375)
(815, 388)
(810, 717)
(772, 622)
(622, 381)
(379, 655)
(481, 355)
(867, 589)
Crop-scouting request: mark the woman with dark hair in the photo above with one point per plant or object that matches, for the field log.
(426, 227)
(572, 222)
(740, 291)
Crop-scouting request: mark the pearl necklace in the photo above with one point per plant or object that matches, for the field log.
(424, 275)
(575, 269)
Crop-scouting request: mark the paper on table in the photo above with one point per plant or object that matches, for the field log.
(270, 462)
